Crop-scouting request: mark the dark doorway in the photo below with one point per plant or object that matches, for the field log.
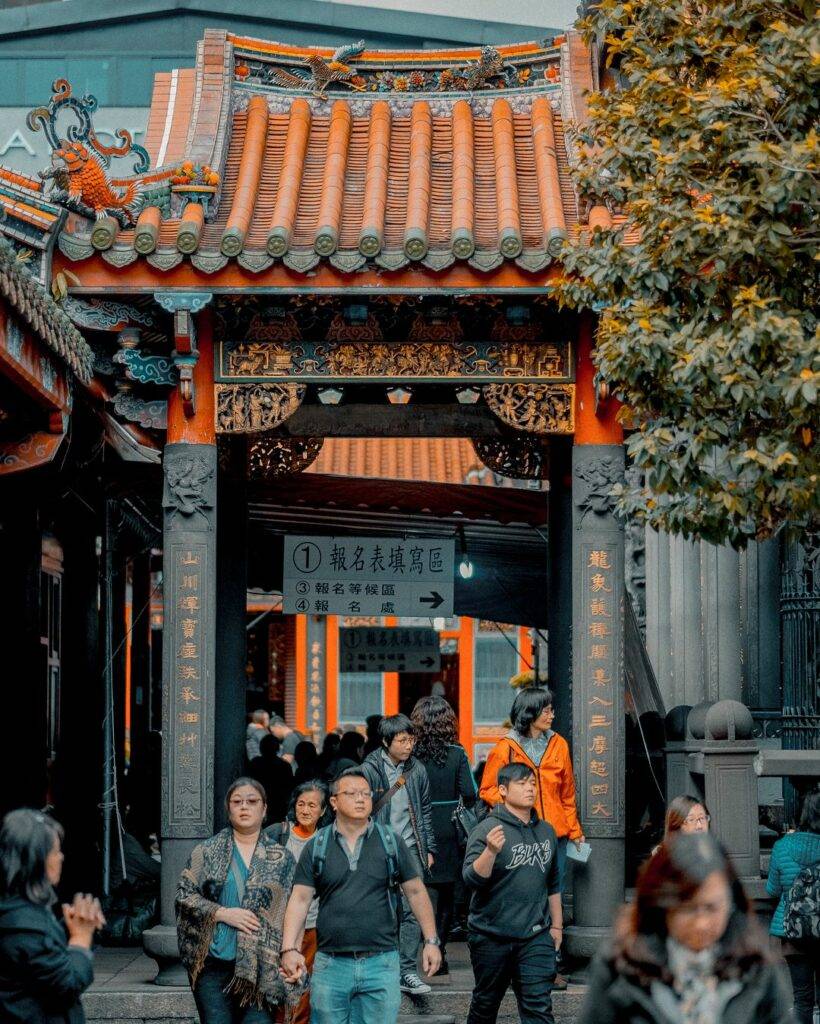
(415, 685)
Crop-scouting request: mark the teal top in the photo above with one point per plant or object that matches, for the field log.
(790, 855)
(223, 943)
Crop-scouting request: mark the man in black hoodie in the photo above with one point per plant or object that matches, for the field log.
(515, 923)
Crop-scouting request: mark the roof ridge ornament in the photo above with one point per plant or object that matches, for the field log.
(324, 72)
(79, 162)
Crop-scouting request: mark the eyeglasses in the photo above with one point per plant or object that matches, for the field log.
(701, 820)
(250, 801)
(356, 794)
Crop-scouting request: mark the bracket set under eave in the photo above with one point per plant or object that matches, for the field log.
(182, 306)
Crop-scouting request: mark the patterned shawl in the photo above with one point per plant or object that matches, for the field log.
(256, 979)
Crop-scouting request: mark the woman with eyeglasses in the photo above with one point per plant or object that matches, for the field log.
(688, 949)
(230, 904)
(42, 976)
(307, 812)
(686, 814)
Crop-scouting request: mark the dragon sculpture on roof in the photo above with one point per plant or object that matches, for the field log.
(79, 161)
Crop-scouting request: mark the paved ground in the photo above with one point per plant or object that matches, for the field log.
(123, 993)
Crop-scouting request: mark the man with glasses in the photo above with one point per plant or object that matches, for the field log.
(354, 866)
(401, 791)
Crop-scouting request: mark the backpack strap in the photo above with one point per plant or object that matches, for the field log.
(388, 840)
(320, 844)
(279, 831)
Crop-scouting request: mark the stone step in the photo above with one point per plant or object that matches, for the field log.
(456, 1002)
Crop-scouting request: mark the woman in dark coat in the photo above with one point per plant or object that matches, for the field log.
(450, 780)
(688, 950)
(41, 974)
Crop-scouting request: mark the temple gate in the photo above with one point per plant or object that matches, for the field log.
(357, 244)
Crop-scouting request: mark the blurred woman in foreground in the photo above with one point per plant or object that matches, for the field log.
(687, 950)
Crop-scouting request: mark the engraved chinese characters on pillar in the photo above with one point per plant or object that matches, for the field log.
(187, 791)
(598, 615)
(600, 597)
(189, 585)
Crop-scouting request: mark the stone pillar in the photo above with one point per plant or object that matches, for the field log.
(658, 611)
(760, 623)
(188, 669)
(720, 608)
(598, 596)
(685, 618)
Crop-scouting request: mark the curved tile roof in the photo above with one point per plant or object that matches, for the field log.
(30, 301)
(380, 158)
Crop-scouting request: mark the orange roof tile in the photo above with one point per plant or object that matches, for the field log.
(423, 460)
(424, 157)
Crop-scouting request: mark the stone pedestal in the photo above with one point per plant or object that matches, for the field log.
(598, 691)
(725, 761)
(189, 593)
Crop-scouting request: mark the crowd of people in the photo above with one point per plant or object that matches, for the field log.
(334, 887)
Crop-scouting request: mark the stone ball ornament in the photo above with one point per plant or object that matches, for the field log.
(696, 722)
(729, 720)
(675, 722)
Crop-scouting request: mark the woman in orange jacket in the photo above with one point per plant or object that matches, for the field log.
(532, 741)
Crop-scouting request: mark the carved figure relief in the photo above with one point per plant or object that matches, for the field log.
(536, 408)
(272, 457)
(522, 458)
(190, 484)
(249, 408)
(598, 476)
(341, 330)
(360, 360)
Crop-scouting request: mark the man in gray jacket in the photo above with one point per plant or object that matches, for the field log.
(401, 799)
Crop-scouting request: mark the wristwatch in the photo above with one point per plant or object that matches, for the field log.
(435, 941)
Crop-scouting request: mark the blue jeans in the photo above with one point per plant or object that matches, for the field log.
(216, 1006)
(355, 990)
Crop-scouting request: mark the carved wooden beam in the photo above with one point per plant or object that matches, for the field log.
(29, 452)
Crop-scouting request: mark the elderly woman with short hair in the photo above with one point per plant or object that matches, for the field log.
(41, 975)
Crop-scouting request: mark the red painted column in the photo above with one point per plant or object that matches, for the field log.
(201, 427)
(591, 426)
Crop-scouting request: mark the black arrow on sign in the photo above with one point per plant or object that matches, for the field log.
(434, 600)
(428, 661)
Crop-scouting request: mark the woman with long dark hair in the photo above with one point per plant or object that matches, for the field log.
(450, 781)
(41, 975)
(798, 854)
(307, 813)
(230, 903)
(688, 949)
(686, 814)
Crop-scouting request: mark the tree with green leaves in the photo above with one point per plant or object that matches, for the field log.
(704, 143)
